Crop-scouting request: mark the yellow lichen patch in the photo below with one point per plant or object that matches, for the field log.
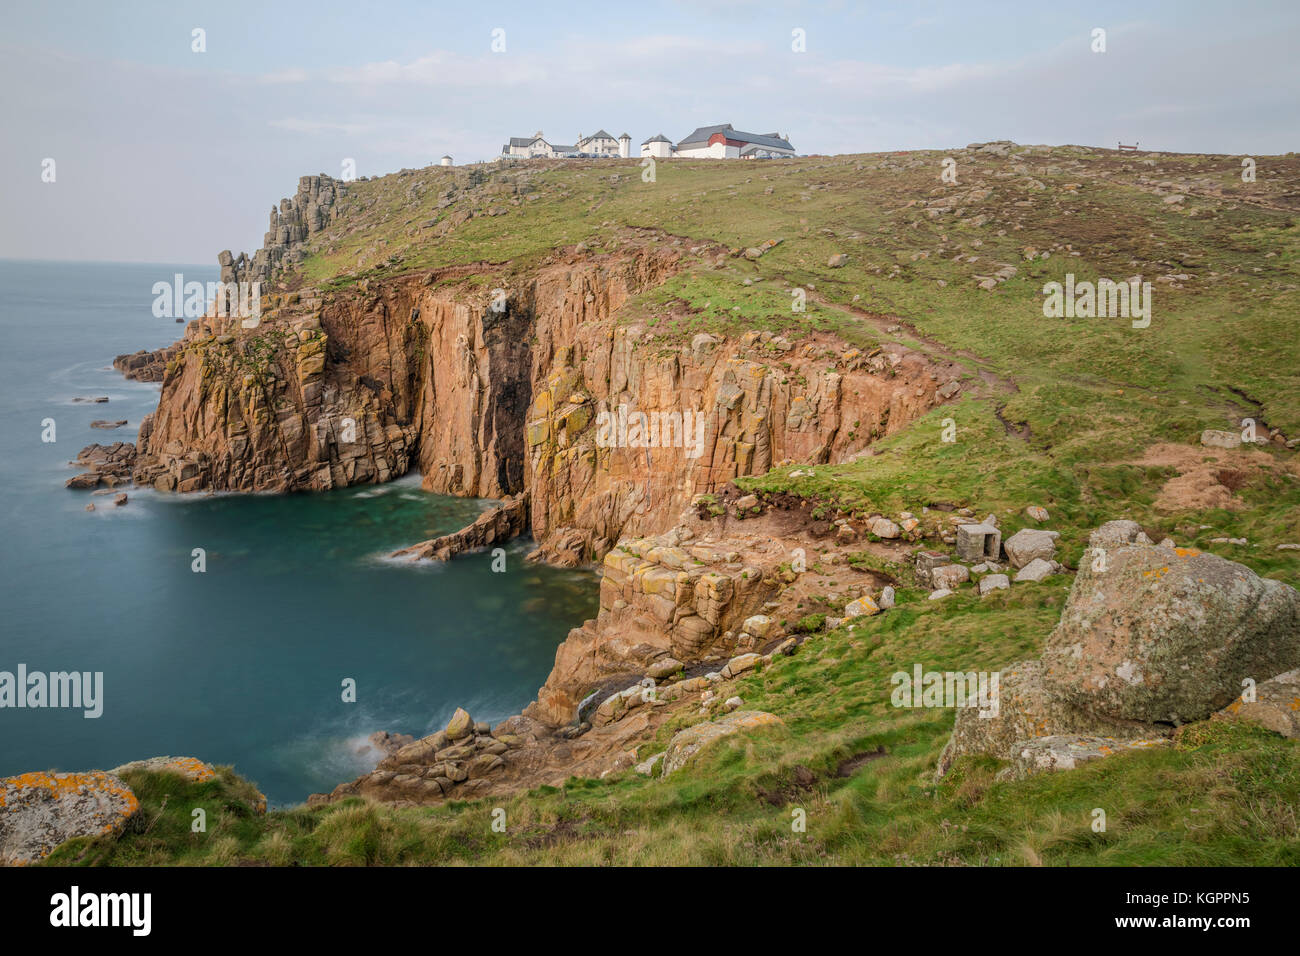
(1186, 552)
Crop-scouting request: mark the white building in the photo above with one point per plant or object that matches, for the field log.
(445, 161)
(659, 146)
(527, 147)
(727, 142)
(598, 143)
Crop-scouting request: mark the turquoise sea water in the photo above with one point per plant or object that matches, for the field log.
(242, 664)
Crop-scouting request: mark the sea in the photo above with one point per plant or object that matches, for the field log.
(296, 641)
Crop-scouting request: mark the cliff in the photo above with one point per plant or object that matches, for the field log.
(493, 395)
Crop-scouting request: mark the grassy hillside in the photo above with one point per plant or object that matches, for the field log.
(1090, 417)
(860, 770)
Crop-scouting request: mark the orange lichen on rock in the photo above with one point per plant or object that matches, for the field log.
(44, 810)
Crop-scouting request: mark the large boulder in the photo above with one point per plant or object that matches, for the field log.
(1166, 635)
(39, 811)
(1029, 544)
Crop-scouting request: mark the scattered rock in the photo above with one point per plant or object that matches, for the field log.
(739, 664)
(1036, 570)
(862, 607)
(1115, 534)
(1213, 438)
(949, 576)
(460, 725)
(993, 582)
(884, 528)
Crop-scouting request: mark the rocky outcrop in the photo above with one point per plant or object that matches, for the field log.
(40, 811)
(495, 526)
(292, 223)
(665, 596)
(109, 465)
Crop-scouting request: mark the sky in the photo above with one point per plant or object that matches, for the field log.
(163, 153)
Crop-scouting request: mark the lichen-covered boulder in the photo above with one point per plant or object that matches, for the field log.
(687, 743)
(192, 769)
(1021, 709)
(40, 811)
(460, 725)
(1276, 706)
(1166, 635)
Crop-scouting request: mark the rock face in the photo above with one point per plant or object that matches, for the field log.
(1167, 635)
(659, 596)
(39, 811)
(685, 744)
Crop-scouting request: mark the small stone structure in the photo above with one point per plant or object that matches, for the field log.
(978, 542)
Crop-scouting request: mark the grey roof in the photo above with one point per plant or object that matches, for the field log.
(657, 138)
(562, 149)
(599, 134)
(702, 135)
(524, 140)
(625, 136)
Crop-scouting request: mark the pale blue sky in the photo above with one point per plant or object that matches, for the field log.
(164, 154)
